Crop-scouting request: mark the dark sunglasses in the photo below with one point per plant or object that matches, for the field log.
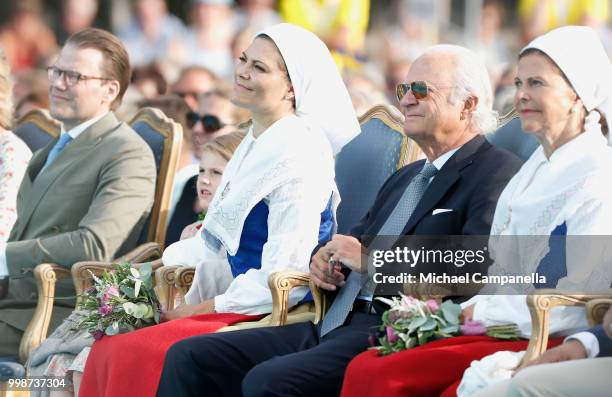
(210, 122)
(419, 89)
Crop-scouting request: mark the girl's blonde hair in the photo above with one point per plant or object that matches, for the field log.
(225, 145)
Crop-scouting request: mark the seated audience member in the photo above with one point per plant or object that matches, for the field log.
(149, 81)
(87, 194)
(193, 81)
(581, 366)
(200, 189)
(31, 91)
(564, 92)
(365, 88)
(447, 101)
(275, 202)
(65, 351)
(76, 15)
(256, 15)
(216, 116)
(208, 39)
(14, 154)
(241, 41)
(27, 40)
(152, 34)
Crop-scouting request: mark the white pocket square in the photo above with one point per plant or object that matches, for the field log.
(440, 210)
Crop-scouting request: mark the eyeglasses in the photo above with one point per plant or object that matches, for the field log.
(70, 76)
(210, 122)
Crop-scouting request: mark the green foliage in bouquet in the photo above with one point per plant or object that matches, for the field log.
(410, 322)
(121, 300)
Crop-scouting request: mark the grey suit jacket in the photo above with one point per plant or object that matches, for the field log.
(89, 204)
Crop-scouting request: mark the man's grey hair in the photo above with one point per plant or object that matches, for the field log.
(471, 79)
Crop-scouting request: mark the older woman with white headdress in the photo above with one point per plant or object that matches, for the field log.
(274, 204)
(564, 97)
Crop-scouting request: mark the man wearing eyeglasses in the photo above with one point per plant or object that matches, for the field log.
(86, 195)
(447, 104)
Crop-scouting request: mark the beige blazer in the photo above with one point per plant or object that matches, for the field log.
(89, 204)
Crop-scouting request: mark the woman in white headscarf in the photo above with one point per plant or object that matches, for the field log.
(564, 98)
(274, 204)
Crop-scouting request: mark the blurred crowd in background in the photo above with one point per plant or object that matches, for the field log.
(182, 51)
(188, 47)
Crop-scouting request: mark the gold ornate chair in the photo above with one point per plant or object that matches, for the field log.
(37, 128)
(540, 306)
(164, 136)
(380, 150)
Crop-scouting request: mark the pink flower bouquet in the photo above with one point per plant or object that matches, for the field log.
(120, 300)
(410, 322)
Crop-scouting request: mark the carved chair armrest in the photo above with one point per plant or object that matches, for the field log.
(281, 283)
(143, 253)
(320, 301)
(165, 288)
(596, 310)
(182, 281)
(539, 308)
(81, 275)
(46, 275)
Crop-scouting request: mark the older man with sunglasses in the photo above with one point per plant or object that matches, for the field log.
(447, 103)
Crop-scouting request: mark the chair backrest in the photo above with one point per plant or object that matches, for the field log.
(510, 136)
(365, 163)
(164, 136)
(37, 128)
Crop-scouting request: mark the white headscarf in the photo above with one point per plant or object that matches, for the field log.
(321, 98)
(579, 53)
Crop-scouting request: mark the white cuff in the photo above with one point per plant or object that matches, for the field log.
(480, 311)
(588, 340)
(220, 304)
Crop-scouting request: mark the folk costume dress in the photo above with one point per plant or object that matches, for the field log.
(276, 201)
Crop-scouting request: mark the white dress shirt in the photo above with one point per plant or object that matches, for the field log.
(440, 161)
(74, 133)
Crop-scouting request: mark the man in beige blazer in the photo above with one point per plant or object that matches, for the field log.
(86, 195)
